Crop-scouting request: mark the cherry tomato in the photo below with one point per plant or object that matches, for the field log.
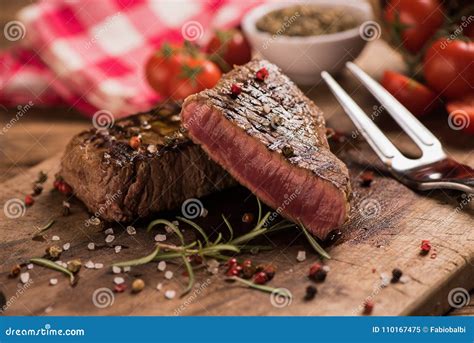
(196, 74)
(462, 113)
(414, 20)
(448, 67)
(162, 65)
(417, 98)
(229, 47)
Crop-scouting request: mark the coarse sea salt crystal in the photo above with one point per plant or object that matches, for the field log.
(116, 270)
(91, 246)
(109, 239)
(89, 265)
(326, 268)
(160, 238)
(162, 266)
(385, 279)
(109, 231)
(404, 279)
(204, 212)
(159, 286)
(25, 277)
(169, 275)
(119, 280)
(301, 256)
(131, 230)
(55, 238)
(170, 294)
(30, 266)
(98, 265)
(53, 281)
(127, 269)
(152, 148)
(118, 248)
(66, 246)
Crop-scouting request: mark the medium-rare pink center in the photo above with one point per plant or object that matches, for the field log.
(290, 190)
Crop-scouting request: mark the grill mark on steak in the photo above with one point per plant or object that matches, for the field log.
(100, 164)
(249, 135)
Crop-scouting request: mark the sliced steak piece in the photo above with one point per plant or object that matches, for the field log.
(272, 139)
(118, 182)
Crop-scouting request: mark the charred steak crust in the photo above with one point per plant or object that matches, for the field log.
(117, 182)
(275, 115)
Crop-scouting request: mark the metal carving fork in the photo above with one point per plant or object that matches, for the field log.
(432, 170)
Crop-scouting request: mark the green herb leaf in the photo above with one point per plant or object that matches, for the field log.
(51, 265)
(190, 271)
(231, 230)
(280, 291)
(195, 226)
(314, 243)
(220, 247)
(40, 230)
(259, 210)
(141, 260)
(261, 222)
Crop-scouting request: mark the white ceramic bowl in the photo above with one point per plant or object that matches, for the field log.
(303, 58)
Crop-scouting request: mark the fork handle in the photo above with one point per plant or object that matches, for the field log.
(446, 173)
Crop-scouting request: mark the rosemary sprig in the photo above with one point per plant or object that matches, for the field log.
(231, 230)
(280, 291)
(51, 265)
(259, 210)
(190, 271)
(139, 261)
(314, 243)
(40, 230)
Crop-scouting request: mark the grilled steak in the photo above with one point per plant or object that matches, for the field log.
(270, 137)
(118, 182)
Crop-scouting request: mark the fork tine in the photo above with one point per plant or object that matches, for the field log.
(377, 140)
(407, 121)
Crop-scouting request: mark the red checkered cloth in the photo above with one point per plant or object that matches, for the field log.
(91, 54)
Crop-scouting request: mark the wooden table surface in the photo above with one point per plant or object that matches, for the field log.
(43, 133)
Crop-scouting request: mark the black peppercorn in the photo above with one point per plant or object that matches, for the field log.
(396, 275)
(311, 292)
(287, 151)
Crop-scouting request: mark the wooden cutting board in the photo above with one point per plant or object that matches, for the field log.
(387, 224)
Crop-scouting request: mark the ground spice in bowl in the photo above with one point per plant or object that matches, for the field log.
(306, 20)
